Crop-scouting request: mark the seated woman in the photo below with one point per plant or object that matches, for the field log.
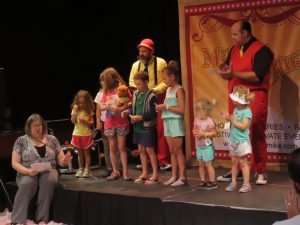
(36, 146)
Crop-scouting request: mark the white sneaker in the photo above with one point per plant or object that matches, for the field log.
(139, 167)
(79, 173)
(166, 167)
(86, 173)
(261, 179)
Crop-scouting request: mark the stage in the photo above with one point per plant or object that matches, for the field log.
(97, 201)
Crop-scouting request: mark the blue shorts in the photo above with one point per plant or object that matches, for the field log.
(174, 128)
(206, 153)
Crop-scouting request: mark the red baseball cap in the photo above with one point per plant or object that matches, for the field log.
(148, 43)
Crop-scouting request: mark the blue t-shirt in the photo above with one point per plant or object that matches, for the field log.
(237, 135)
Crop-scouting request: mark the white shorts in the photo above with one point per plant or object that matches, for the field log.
(240, 149)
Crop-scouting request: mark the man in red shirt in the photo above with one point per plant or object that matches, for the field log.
(248, 64)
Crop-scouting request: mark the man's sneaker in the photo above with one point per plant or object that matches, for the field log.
(245, 188)
(261, 179)
(202, 185)
(227, 177)
(79, 173)
(230, 187)
(211, 185)
(139, 167)
(166, 167)
(86, 173)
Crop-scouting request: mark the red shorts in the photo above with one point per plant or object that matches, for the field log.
(83, 142)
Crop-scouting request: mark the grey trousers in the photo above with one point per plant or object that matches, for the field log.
(27, 187)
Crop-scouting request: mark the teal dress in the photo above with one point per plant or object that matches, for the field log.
(173, 122)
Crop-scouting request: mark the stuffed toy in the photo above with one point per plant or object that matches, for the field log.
(123, 98)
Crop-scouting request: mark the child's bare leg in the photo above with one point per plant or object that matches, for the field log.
(210, 171)
(202, 170)
(123, 154)
(143, 157)
(87, 156)
(245, 169)
(234, 169)
(153, 159)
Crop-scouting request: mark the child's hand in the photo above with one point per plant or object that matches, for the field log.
(124, 114)
(136, 118)
(226, 116)
(160, 107)
(114, 109)
(195, 131)
(74, 118)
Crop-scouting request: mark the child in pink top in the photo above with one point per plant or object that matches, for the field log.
(115, 127)
(204, 130)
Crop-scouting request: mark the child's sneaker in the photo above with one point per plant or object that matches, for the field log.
(230, 187)
(170, 181)
(86, 173)
(202, 185)
(211, 185)
(179, 183)
(79, 173)
(245, 188)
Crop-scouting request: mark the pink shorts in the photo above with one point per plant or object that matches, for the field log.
(83, 142)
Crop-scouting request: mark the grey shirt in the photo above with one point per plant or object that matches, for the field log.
(29, 154)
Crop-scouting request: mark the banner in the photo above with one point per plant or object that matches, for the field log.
(207, 43)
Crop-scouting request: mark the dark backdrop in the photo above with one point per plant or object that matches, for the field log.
(52, 48)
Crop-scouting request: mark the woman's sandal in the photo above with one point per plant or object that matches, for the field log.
(113, 176)
(127, 178)
(155, 181)
(140, 180)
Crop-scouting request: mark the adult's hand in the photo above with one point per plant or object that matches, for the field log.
(225, 71)
(291, 204)
(31, 172)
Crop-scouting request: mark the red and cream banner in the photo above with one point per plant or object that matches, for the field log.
(207, 44)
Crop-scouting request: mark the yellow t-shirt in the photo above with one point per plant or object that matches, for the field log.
(81, 129)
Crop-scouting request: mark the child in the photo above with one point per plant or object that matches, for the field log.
(144, 119)
(239, 143)
(82, 117)
(204, 130)
(172, 115)
(115, 127)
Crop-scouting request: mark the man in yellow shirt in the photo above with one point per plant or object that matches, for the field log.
(153, 65)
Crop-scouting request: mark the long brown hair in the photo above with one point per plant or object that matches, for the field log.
(112, 78)
(88, 100)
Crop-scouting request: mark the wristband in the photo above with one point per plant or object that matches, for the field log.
(167, 107)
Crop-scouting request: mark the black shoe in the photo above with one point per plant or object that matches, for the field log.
(227, 177)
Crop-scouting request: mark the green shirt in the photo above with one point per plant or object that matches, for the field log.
(139, 107)
(237, 135)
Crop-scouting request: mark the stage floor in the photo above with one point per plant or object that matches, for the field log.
(97, 201)
(268, 197)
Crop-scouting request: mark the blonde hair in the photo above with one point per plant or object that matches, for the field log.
(205, 105)
(88, 100)
(242, 90)
(112, 78)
